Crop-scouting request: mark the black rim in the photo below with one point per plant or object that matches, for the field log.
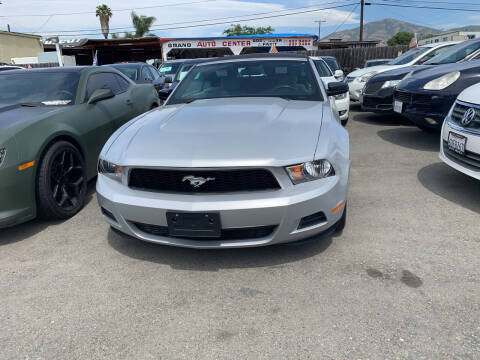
(67, 179)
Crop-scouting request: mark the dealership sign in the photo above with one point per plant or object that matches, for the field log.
(238, 44)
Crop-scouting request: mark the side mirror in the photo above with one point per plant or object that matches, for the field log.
(164, 93)
(99, 95)
(336, 88)
(338, 74)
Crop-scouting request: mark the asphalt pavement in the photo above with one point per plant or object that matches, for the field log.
(401, 282)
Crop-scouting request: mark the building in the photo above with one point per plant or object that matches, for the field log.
(451, 36)
(234, 45)
(14, 45)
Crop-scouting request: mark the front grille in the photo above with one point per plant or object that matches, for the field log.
(470, 160)
(255, 232)
(422, 98)
(403, 96)
(219, 181)
(373, 87)
(458, 112)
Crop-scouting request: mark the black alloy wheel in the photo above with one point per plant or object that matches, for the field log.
(62, 182)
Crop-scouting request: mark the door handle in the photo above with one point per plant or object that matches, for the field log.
(129, 102)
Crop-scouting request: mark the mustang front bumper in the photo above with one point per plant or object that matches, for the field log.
(136, 212)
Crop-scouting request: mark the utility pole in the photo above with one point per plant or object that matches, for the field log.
(320, 28)
(362, 4)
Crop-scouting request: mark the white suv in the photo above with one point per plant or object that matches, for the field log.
(460, 140)
(357, 79)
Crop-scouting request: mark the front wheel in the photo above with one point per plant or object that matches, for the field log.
(61, 182)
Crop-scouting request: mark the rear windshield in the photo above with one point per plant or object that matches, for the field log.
(129, 71)
(322, 68)
(289, 79)
(455, 53)
(169, 68)
(410, 55)
(47, 88)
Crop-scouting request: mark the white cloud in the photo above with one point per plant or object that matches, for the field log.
(165, 15)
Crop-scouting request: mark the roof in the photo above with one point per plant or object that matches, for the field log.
(258, 56)
(63, 69)
(11, 33)
(189, 61)
(244, 36)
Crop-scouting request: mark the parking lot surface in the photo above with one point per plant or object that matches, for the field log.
(401, 282)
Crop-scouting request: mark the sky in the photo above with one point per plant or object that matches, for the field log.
(23, 15)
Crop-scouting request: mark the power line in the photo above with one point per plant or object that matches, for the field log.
(434, 2)
(184, 22)
(346, 19)
(115, 10)
(425, 7)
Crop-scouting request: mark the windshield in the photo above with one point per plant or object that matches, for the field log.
(169, 68)
(129, 71)
(410, 55)
(183, 71)
(288, 79)
(322, 68)
(455, 53)
(47, 88)
(332, 63)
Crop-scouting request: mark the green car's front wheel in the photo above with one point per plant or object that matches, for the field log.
(61, 182)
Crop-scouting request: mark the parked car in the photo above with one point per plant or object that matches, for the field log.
(426, 97)
(460, 140)
(232, 159)
(53, 124)
(341, 102)
(169, 69)
(357, 79)
(10, 67)
(182, 70)
(377, 95)
(141, 73)
(334, 66)
(376, 62)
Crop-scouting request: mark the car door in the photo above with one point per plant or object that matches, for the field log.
(101, 119)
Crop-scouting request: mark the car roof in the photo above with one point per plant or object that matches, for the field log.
(328, 57)
(63, 69)
(259, 56)
(130, 64)
(443, 43)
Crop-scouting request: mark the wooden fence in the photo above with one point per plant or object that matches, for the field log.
(351, 58)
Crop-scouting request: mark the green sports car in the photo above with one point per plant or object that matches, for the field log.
(53, 124)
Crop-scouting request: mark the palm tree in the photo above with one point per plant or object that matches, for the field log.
(142, 24)
(104, 13)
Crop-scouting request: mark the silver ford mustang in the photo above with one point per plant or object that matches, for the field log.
(245, 152)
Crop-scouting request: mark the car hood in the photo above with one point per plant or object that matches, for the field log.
(222, 132)
(420, 78)
(470, 94)
(398, 73)
(378, 68)
(16, 114)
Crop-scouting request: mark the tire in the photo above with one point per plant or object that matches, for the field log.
(344, 122)
(61, 184)
(342, 222)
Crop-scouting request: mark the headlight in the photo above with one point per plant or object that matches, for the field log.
(390, 83)
(3, 155)
(109, 169)
(311, 170)
(340, 96)
(364, 78)
(443, 81)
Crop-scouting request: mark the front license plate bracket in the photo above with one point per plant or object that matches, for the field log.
(193, 225)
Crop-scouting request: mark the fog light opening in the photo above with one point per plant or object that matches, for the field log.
(108, 214)
(312, 220)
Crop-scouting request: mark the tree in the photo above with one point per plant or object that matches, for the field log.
(105, 14)
(237, 29)
(400, 38)
(142, 25)
(428, 36)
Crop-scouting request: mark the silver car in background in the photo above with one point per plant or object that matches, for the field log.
(245, 152)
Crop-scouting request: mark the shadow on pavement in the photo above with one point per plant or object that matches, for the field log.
(31, 228)
(214, 260)
(412, 138)
(381, 119)
(451, 185)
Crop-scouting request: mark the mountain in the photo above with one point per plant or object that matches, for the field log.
(382, 30)
(466, 28)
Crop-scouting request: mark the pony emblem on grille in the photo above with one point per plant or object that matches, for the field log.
(197, 181)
